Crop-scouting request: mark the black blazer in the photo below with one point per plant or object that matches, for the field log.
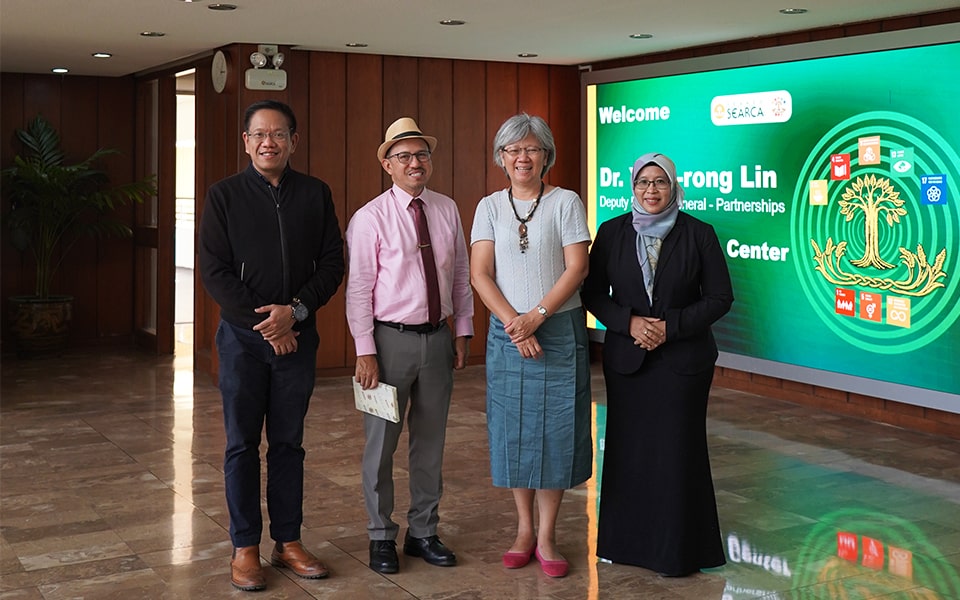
(691, 290)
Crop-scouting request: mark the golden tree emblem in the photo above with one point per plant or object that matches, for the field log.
(875, 198)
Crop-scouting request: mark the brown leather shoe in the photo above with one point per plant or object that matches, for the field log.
(295, 557)
(245, 571)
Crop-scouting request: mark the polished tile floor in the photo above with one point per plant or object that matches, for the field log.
(111, 487)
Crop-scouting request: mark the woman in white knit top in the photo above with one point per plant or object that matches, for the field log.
(529, 257)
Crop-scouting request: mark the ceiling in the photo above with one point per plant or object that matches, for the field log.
(36, 36)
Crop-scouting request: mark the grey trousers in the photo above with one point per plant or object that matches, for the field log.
(421, 368)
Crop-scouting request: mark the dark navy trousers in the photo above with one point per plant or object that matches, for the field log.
(259, 387)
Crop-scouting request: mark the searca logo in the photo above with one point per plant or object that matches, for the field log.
(751, 109)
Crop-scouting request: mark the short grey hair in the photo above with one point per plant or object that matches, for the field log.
(520, 126)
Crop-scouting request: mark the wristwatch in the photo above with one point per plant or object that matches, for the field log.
(300, 312)
(542, 310)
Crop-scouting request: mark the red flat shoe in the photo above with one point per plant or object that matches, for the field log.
(553, 568)
(515, 560)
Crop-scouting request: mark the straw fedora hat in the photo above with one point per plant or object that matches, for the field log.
(404, 128)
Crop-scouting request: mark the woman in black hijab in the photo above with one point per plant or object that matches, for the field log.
(658, 280)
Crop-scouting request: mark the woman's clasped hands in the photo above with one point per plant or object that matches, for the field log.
(647, 332)
(521, 330)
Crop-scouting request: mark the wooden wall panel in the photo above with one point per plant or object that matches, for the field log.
(435, 118)
(472, 163)
(365, 104)
(400, 88)
(938, 18)
(12, 262)
(297, 66)
(502, 98)
(78, 127)
(42, 96)
(328, 124)
(115, 256)
(12, 117)
(328, 137)
(469, 138)
(533, 95)
(78, 272)
(564, 111)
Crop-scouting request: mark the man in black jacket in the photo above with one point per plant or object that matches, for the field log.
(271, 254)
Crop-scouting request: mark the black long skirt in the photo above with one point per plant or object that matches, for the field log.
(657, 505)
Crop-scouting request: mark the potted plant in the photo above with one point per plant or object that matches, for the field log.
(51, 206)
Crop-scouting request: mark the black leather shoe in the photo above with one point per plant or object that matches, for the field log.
(430, 549)
(383, 556)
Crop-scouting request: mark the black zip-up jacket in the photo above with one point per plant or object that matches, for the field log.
(262, 245)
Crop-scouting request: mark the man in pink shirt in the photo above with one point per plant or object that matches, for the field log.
(402, 337)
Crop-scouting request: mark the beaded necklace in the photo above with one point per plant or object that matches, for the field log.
(522, 229)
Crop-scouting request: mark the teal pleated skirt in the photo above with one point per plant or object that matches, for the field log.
(538, 410)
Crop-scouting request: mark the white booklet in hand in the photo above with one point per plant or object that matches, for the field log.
(380, 401)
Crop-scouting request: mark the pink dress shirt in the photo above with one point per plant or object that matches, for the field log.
(386, 281)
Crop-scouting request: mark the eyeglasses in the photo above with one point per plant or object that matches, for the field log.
(643, 184)
(277, 136)
(404, 158)
(515, 152)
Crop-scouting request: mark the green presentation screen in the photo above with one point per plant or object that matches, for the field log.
(832, 183)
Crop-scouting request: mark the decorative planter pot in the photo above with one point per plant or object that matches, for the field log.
(40, 326)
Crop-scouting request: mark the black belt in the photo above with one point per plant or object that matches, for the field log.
(421, 328)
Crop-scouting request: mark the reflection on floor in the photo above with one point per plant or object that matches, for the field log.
(112, 487)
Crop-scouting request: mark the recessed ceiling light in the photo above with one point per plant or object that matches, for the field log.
(101, 55)
(355, 45)
(152, 34)
(528, 55)
(641, 36)
(452, 22)
(222, 6)
(793, 11)
(60, 70)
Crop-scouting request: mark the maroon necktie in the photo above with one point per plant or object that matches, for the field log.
(429, 262)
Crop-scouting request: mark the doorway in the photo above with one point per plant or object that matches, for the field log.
(185, 215)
